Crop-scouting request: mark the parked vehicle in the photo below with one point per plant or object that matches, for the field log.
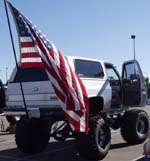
(148, 101)
(11, 119)
(112, 99)
(2, 96)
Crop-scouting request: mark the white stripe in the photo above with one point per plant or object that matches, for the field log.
(42, 55)
(68, 74)
(27, 60)
(26, 39)
(77, 118)
(73, 115)
(82, 123)
(54, 81)
(77, 105)
(56, 55)
(29, 50)
(69, 81)
(53, 63)
(80, 93)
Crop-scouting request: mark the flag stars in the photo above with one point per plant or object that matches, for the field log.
(41, 36)
(19, 18)
(37, 32)
(26, 27)
(32, 27)
(49, 47)
(45, 41)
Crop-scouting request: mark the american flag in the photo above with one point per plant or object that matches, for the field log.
(37, 51)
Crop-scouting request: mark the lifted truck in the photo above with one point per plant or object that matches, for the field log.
(111, 105)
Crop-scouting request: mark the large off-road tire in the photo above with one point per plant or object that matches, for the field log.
(135, 126)
(95, 144)
(32, 135)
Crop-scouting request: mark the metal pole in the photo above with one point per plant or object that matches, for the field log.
(133, 37)
(13, 46)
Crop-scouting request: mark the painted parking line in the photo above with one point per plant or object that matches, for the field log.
(138, 159)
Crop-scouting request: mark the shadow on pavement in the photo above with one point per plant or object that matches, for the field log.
(56, 151)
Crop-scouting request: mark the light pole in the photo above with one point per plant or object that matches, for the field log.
(133, 37)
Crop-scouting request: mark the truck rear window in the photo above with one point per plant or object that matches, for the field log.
(86, 68)
(31, 75)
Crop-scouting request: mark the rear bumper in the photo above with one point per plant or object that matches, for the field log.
(51, 113)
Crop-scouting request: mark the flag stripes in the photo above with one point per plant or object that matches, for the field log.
(37, 51)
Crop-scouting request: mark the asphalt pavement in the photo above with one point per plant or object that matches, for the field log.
(57, 151)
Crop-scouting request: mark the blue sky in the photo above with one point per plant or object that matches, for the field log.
(89, 28)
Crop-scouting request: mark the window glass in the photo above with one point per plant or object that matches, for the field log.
(86, 68)
(31, 75)
(112, 74)
(130, 71)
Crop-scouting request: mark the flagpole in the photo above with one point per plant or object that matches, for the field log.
(133, 38)
(13, 46)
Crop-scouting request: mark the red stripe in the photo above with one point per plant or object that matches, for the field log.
(52, 70)
(54, 74)
(27, 44)
(86, 101)
(80, 113)
(63, 85)
(29, 55)
(32, 64)
(59, 94)
(62, 71)
(51, 53)
(73, 122)
(74, 85)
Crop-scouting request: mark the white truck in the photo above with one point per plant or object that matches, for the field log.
(111, 102)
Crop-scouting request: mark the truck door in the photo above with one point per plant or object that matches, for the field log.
(133, 84)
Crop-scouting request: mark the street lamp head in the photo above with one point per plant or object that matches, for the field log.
(132, 36)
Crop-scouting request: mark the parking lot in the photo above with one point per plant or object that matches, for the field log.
(57, 151)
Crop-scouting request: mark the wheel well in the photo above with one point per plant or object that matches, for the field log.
(95, 104)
